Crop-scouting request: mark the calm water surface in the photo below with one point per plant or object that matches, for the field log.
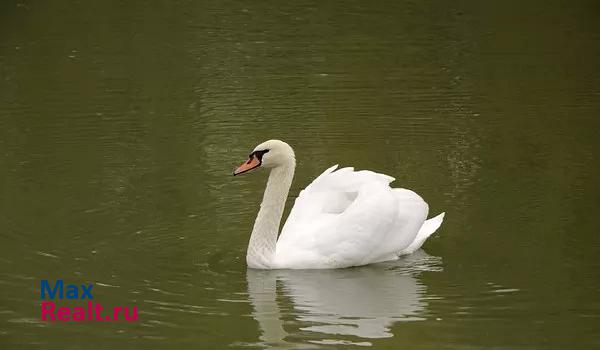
(120, 123)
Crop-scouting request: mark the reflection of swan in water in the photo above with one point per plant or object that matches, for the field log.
(349, 303)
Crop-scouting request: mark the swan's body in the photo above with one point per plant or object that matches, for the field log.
(343, 218)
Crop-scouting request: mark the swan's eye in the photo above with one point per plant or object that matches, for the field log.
(259, 154)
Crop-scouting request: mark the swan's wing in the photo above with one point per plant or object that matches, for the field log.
(333, 191)
(341, 219)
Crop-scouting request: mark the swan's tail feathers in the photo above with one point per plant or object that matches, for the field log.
(428, 228)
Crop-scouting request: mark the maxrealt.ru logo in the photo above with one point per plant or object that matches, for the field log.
(89, 312)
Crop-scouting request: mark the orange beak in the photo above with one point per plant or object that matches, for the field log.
(250, 164)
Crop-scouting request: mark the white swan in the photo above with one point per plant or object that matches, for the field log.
(343, 218)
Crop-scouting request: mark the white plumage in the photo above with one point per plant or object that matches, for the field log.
(343, 218)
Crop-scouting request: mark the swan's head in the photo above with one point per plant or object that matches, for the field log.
(269, 154)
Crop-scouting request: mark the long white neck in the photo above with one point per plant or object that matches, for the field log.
(261, 249)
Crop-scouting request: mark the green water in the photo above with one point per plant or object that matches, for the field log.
(121, 121)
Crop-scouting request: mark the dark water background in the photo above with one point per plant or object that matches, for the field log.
(120, 123)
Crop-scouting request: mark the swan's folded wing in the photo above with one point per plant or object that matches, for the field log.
(341, 217)
(333, 191)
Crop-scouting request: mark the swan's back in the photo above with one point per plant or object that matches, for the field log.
(349, 218)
